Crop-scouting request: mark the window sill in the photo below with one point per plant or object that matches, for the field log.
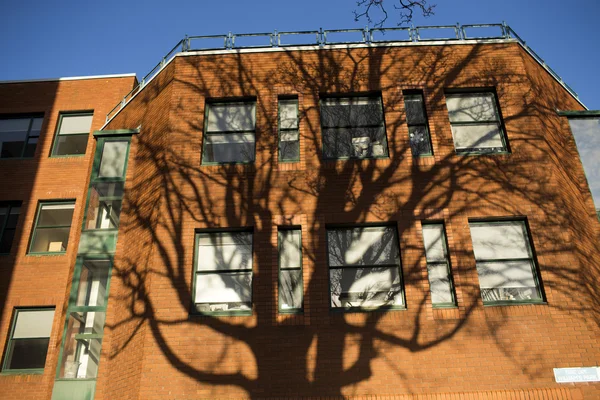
(22, 372)
(239, 313)
(351, 310)
(292, 312)
(48, 253)
(481, 153)
(515, 303)
(444, 306)
(68, 156)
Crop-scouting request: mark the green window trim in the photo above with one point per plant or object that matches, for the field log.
(11, 340)
(281, 268)
(498, 121)
(58, 134)
(36, 228)
(194, 310)
(28, 135)
(285, 130)
(446, 263)
(531, 259)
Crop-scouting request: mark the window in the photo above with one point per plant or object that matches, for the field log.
(289, 136)
(291, 291)
(505, 264)
(364, 268)
(19, 136)
(476, 124)
(438, 265)
(29, 338)
(353, 127)
(52, 227)
(72, 134)
(416, 118)
(9, 214)
(223, 272)
(229, 133)
(114, 158)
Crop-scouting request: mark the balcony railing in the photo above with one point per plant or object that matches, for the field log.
(322, 38)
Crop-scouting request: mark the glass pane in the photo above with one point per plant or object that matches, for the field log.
(415, 109)
(472, 107)
(53, 240)
(587, 137)
(36, 126)
(13, 217)
(435, 246)
(439, 283)
(510, 294)
(6, 240)
(55, 215)
(365, 287)
(290, 289)
(363, 246)
(288, 114)
(70, 144)
(30, 147)
(508, 274)
(13, 133)
(86, 322)
(27, 353)
(289, 136)
(290, 255)
(354, 142)
(419, 140)
(93, 281)
(351, 112)
(80, 357)
(500, 240)
(33, 324)
(231, 117)
(477, 136)
(224, 251)
(229, 148)
(114, 155)
(289, 150)
(225, 291)
(74, 124)
(103, 214)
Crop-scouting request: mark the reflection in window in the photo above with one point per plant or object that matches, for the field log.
(476, 125)
(438, 266)
(72, 135)
(223, 277)
(9, 215)
(353, 127)
(416, 118)
(19, 136)
(289, 135)
(291, 291)
(114, 156)
(364, 267)
(28, 343)
(505, 264)
(229, 133)
(52, 228)
(104, 207)
(587, 137)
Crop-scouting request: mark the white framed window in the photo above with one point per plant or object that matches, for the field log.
(353, 127)
(229, 135)
(438, 265)
(476, 123)
(364, 268)
(223, 272)
(505, 262)
(29, 338)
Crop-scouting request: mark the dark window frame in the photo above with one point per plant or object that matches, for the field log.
(9, 206)
(28, 136)
(57, 134)
(505, 149)
(280, 268)
(412, 94)
(281, 130)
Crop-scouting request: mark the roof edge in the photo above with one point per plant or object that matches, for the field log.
(72, 78)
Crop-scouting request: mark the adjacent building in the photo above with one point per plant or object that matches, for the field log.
(391, 217)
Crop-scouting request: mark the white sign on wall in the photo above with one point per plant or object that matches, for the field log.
(568, 375)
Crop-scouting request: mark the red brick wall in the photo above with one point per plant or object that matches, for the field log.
(27, 280)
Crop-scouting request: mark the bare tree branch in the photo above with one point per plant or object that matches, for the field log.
(376, 14)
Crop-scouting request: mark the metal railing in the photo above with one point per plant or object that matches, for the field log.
(322, 38)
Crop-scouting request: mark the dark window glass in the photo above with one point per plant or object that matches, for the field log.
(19, 136)
(416, 118)
(9, 215)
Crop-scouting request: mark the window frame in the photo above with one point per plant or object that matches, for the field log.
(9, 340)
(35, 225)
(420, 93)
(348, 96)
(195, 273)
(31, 117)
(281, 130)
(500, 122)
(447, 262)
(212, 102)
(57, 133)
(383, 308)
(10, 205)
(295, 311)
(533, 261)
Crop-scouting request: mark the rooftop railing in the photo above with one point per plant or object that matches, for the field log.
(323, 38)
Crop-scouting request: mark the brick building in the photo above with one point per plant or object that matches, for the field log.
(382, 219)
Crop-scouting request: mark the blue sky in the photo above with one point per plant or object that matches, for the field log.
(41, 39)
